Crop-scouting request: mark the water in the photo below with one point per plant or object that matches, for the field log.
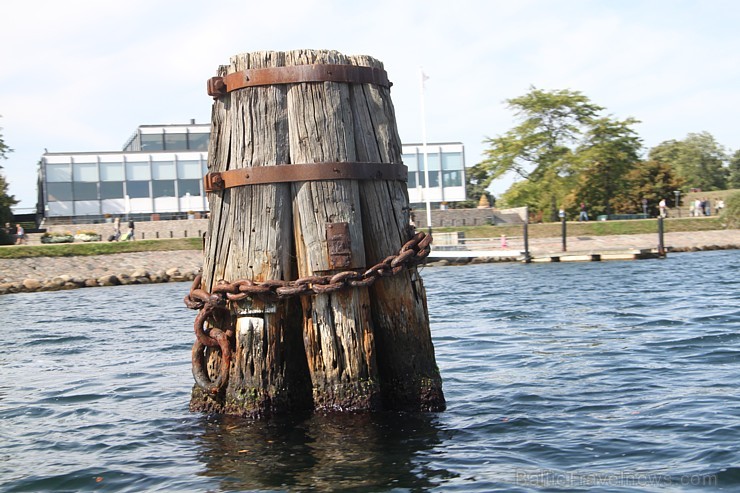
(614, 376)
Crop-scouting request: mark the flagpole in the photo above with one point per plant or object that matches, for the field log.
(426, 158)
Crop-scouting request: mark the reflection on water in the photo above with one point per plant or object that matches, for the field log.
(361, 452)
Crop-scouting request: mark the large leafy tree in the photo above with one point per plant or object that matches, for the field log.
(733, 180)
(6, 201)
(698, 159)
(650, 181)
(563, 150)
(609, 152)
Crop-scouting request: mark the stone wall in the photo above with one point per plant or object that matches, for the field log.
(468, 217)
(145, 230)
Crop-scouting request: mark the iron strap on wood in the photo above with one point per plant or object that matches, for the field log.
(294, 74)
(283, 173)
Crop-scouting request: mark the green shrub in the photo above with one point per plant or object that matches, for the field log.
(57, 238)
(731, 214)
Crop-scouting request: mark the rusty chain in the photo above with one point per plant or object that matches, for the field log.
(411, 253)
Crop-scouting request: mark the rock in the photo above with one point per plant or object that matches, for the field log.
(32, 284)
(173, 272)
(109, 280)
(91, 283)
(125, 279)
(139, 273)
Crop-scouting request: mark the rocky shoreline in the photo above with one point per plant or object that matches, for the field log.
(59, 273)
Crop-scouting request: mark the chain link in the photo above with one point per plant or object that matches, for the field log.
(411, 253)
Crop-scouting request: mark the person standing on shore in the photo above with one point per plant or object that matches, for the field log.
(20, 235)
(584, 214)
(131, 235)
(719, 205)
(662, 208)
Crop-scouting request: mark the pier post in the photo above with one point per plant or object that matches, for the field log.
(309, 262)
(563, 231)
(661, 242)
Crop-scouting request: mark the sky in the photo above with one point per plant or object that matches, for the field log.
(81, 75)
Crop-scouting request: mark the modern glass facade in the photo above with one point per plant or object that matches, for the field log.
(161, 168)
(446, 172)
(193, 137)
(167, 183)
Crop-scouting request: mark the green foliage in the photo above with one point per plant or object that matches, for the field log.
(649, 180)
(733, 180)
(550, 126)
(731, 214)
(565, 152)
(6, 201)
(698, 159)
(4, 149)
(609, 153)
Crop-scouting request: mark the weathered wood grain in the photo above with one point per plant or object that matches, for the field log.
(357, 348)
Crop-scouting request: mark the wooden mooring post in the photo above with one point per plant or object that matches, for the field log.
(310, 297)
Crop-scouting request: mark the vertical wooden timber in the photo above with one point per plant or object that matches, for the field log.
(250, 237)
(356, 348)
(337, 327)
(410, 378)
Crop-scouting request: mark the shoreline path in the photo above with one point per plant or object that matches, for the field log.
(179, 265)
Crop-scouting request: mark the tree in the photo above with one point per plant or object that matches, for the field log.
(650, 181)
(609, 152)
(698, 159)
(6, 201)
(564, 150)
(540, 148)
(733, 180)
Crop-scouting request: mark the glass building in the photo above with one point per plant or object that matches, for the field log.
(159, 175)
(446, 173)
(160, 171)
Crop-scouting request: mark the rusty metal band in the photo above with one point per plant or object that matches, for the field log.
(294, 74)
(285, 173)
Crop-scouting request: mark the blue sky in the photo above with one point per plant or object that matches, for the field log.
(81, 75)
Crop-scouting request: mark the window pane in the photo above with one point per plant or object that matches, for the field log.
(452, 160)
(163, 188)
(198, 142)
(137, 189)
(189, 169)
(175, 142)
(111, 172)
(452, 178)
(422, 179)
(433, 179)
(163, 170)
(138, 171)
(58, 172)
(111, 190)
(58, 192)
(410, 161)
(433, 159)
(87, 172)
(412, 180)
(188, 186)
(85, 191)
(151, 142)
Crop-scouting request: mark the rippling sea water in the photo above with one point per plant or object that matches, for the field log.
(613, 376)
